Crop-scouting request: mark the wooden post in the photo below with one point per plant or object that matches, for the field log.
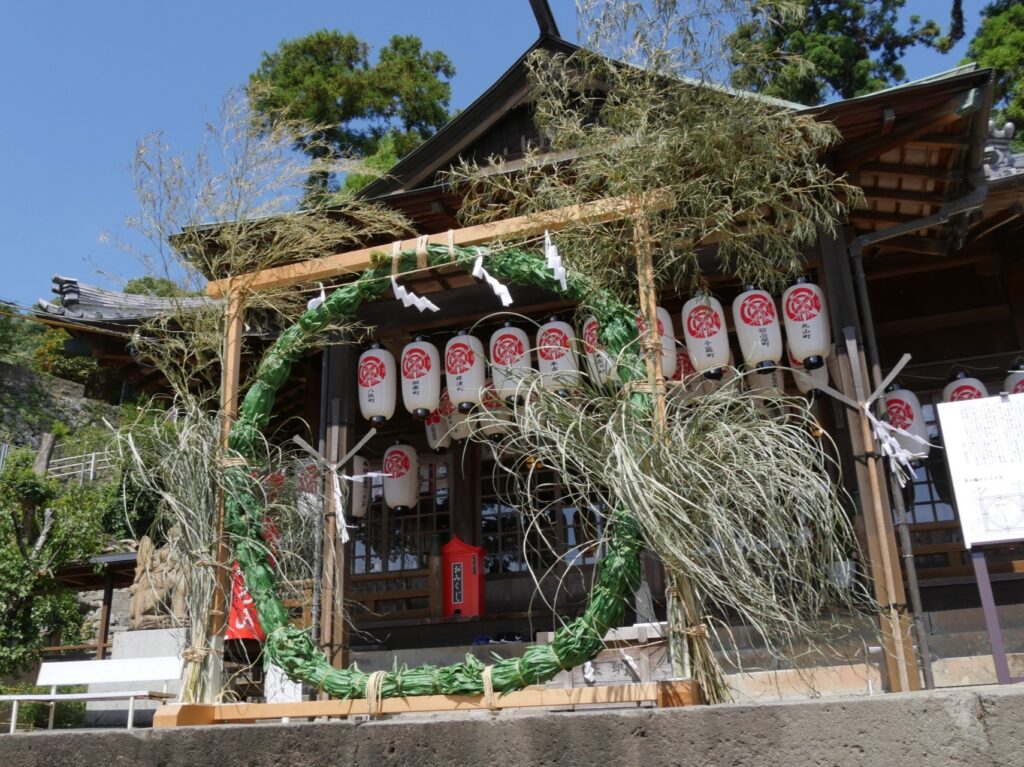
(103, 629)
(901, 669)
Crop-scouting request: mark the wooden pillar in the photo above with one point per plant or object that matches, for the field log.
(337, 416)
(878, 536)
(103, 629)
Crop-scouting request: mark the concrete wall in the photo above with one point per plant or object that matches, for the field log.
(977, 727)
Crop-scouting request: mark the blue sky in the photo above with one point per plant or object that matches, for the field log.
(83, 82)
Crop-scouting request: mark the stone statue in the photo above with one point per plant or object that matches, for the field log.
(159, 590)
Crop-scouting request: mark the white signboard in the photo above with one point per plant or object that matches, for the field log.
(984, 442)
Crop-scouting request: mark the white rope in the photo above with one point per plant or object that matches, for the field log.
(489, 698)
(451, 245)
(316, 301)
(374, 702)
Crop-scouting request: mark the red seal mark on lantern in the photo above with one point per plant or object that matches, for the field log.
(1018, 387)
(757, 310)
(415, 363)
(434, 417)
(590, 342)
(396, 464)
(802, 304)
(446, 408)
(553, 344)
(491, 400)
(967, 391)
(703, 322)
(507, 349)
(459, 359)
(901, 414)
(371, 371)
(684, 365)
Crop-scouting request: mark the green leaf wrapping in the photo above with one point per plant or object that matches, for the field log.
(618, 573)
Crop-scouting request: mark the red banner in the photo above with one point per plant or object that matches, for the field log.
(242, 620)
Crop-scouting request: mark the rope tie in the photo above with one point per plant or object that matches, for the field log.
(396, 255)
(489, 699)
(195, 654)
(374, 701)
(421, 252)
(519, 673)
(558, 661)
(451, 246)
(229, 461)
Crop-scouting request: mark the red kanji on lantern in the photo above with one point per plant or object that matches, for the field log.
(459, 359)
(553, 344)
(802, 304)
(703, 322)
(757, 310)
(397, 464)
(507, 349)
(371, 371)
(415, 363)
(901, 414)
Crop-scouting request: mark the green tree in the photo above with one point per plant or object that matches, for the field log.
(52, 358)
(841, 48)
(18, 337)
(149, 285)
(41, 529)
(326, 79)
(999, 43)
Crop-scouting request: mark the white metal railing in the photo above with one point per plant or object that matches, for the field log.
(85, 468)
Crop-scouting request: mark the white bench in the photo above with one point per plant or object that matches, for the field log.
(61, 674)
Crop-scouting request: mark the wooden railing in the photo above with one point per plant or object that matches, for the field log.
(401, 595)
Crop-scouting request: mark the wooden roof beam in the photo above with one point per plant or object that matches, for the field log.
(356, 261)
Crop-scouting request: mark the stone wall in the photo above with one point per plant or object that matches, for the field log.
(977, 727)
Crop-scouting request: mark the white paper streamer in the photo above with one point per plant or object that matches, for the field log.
(499, 289)
(554, 260)
(408, 298)
(314, 302)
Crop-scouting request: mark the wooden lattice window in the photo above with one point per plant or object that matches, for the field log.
(387, 541)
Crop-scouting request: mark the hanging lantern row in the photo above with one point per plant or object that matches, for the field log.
(705, 332)
(963, 387)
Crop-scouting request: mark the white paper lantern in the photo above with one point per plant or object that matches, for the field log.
(556, 358)
(600, 364)
(1014, 383)
(765, 383)
(666, 337)
(436, 427)
(690, 383)
(378, 384)
(495, 417)
(808, 381)
(359, 500)
(401, 470)
(457, 423)
(805, 314)
(905, 412)
(706, 334)
(421, 377)
(510, 359)
(757, 328)
(465, 369)
(962, 387)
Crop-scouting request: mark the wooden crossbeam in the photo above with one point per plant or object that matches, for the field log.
(665, 694)
(355, 261)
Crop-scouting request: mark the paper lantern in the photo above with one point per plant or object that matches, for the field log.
(765, 383)
(456, 422)
(401, 470)
(378, 384)
(905, 412)
(808, 381)
(421, 377)
(465, 369)
(1014, 383)
(757, 328)
(666, 337)
(359, 499)
(962, 387)
(600, 364)
(436, 427)
(510, 359)
(556, 359)
(706, 334)
(689, 382)
(494, 419)
(805, 315)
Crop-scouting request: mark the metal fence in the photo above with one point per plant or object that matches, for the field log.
(87, 467)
